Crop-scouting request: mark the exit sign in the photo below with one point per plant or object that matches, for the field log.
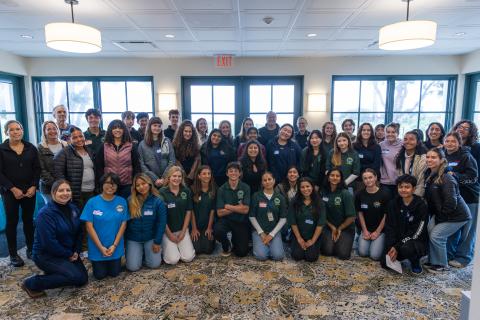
(223, 61)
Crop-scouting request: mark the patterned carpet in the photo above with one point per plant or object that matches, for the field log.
(232, 288)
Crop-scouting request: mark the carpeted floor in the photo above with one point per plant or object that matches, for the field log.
(232, 288)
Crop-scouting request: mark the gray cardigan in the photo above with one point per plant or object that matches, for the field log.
(148, 160)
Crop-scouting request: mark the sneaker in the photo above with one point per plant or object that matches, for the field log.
(31, 293)
(428, 265)
(416, 267)
(29, 254)
(437, 269)
(455, 264)
(16, 261)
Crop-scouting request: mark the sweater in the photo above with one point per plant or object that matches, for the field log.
(464, 169)
(155, 159)
(265, 135)
(54, 234)
(281, 157)
(151, 225)
(21, 171)
(388, 171)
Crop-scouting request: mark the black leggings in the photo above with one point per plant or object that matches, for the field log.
(342, 248)
(12, 206)
(412, 250)
(310, 255)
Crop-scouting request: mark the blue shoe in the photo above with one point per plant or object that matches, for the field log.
(416, 267)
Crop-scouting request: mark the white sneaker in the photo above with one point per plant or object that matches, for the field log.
(84, 254)
(455, 264)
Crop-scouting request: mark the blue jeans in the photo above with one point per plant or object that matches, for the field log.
(104, 268)
(273, 250)
(438, 234)
(135, 252)
(462, 251)
(371, 248)
(59, 272)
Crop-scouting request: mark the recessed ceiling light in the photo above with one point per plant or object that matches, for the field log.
(460, 34)
(26, 36)
(311, 35)
(170, 36)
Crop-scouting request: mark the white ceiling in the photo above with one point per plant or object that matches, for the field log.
(208, 27)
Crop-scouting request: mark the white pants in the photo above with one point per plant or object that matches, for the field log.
(174, 252)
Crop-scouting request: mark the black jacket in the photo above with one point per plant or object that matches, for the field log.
(370, 157)
(69, 165)
(444, 199)
(464, 167)
(21, 171)
(48, 168)
(405, 224)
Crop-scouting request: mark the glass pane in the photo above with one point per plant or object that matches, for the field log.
(427, 118)
(113, 96)
(408, 121)
(477, 98)
(108, 117)
(217, 118)
(476, 117)
(3, 119)
(339, 117)
(6, 97)
(139, 95)
(407, 94)
(259, 119)
(285, 118)
(346, 95)
(372, 118)
(374, 96)
(78, 119)
(207, 116)
(80, 96)
(201, 98)
(283, 98)
(260, 98)
(53, 94)
(434, 95)
(223, 99)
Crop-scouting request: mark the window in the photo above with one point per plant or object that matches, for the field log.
(111, 95)
(11, 102)
(472, 97)
(234, 98)
(412, 101)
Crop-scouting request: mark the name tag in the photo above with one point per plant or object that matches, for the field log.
(97, 213)
(385, 151)
(453, 164)
(309, 221)
(171, 205)
(364, 206)
(88, 142)
(270, 216)
(222, 152)
(159, 150)
(360, 156)
(276, 152)
(262, 204)
(148, 213)
(325, 199)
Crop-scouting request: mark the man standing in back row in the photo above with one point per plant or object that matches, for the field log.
(60, 114)
(270, 130)
(173, 116)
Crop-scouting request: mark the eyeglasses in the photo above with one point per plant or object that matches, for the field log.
(111, 183)
(463, 128)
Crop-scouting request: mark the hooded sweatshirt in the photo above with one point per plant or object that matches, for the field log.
(464, 169)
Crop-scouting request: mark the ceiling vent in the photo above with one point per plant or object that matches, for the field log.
(135, 45)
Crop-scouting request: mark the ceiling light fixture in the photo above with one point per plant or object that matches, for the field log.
(26, 36)
(460, 34)
(170, 36)
(407, 35)
(73, 37)
(311, 35)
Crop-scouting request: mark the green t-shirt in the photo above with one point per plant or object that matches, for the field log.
(93, 140)
(177, 206)
(268, 212)
(226, 195)
(315, 168)
(350, 163)
(202, 210)
(305, 221)
(340, 206)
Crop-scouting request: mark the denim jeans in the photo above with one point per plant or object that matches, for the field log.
(462, 251)
(136, 251)
(371, 248)
(59, 272)
(342, 248)
(273, 250)
(104, 268)
(438, 234)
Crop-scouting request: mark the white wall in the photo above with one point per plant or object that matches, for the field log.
(317, 71)
(470, 62)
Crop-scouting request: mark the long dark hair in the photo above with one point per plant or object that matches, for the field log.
(148, 131)
(419, 149)
(472, 133)
(327, 188)
(442, 130)
(197, 184)
(186, 148)
(359, 141)
(334, 134)
(243, 133)
(309, 155)
(283, 126)
(314, 196)
(247, 163)
(285, 183)
(114, 125)
(208, 144)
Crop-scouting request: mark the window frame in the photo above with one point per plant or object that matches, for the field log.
(97, 98)
(242, 92)
(469, 95)
(19, 99)
(389, 104)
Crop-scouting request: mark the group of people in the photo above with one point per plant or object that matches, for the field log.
(153, 194)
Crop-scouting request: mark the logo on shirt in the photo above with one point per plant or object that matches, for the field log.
(183, 195)
(337, 201)
(377, 204)
(119, 208)
(276, 201)
(349, 161)
(240, 194)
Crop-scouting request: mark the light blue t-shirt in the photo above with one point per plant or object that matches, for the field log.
(107, 217)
